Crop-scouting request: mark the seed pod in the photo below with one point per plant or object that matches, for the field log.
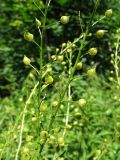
(100, 33)
(60, 141)
(49, 79)
(92, 51)
(64, 19)
(28, 36)
(79, 65)
(91, 72)
(37, 23)
(60, 58)
(25, 150)
(108, 13)
(26, 60)
(82, 102)
(43, 107)
(55, 104)
(44, 134)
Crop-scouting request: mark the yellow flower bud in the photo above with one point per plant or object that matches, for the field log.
(60, 58)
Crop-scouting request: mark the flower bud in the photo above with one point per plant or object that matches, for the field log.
(108, 13)
(64, 19)
(28, 36)
(37, 23)
(26, 60)
(92, 51)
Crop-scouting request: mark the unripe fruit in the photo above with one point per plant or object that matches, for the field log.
(100, 33)
(26, 60)
(108, 13)
(78, 115)
(63, 45)
(43, 107)
(82, 102)
(61, 141)
(28, 36)
(91, 72)
(60, 58)
(49, 79)
(64, 19)
(57, 49)
(37, 23)
(92, 51)
(34, 119)
(44, 134)
(79, 65)
(55, 104)
(29, 138)
(25, 150)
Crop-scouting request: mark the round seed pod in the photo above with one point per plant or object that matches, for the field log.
(28, 36)
(79, 65)
(91, 72)
(92, 51)
(49, 79)
(108, 13)
(26, 60)
(100, 33)
(82, 102)
(64, 19)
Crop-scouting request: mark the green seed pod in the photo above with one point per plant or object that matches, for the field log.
(60, 58)
(44, 134)
(60, 141)
(82, 102)
(64, 19)
(91, 72)
(26, 60)
(55, 104)
(37, 23)
(92, 51)
(28, 36)
(100, 33)
(108, 13)
(43, 107)
(79, 65)
(49, 79)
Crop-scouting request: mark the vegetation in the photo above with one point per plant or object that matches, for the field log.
(60, 92)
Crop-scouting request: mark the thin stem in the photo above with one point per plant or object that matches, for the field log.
(34, 68)
(69, 96)
(98, 21)
(80, 20)
(116, 63)
(23, 121)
